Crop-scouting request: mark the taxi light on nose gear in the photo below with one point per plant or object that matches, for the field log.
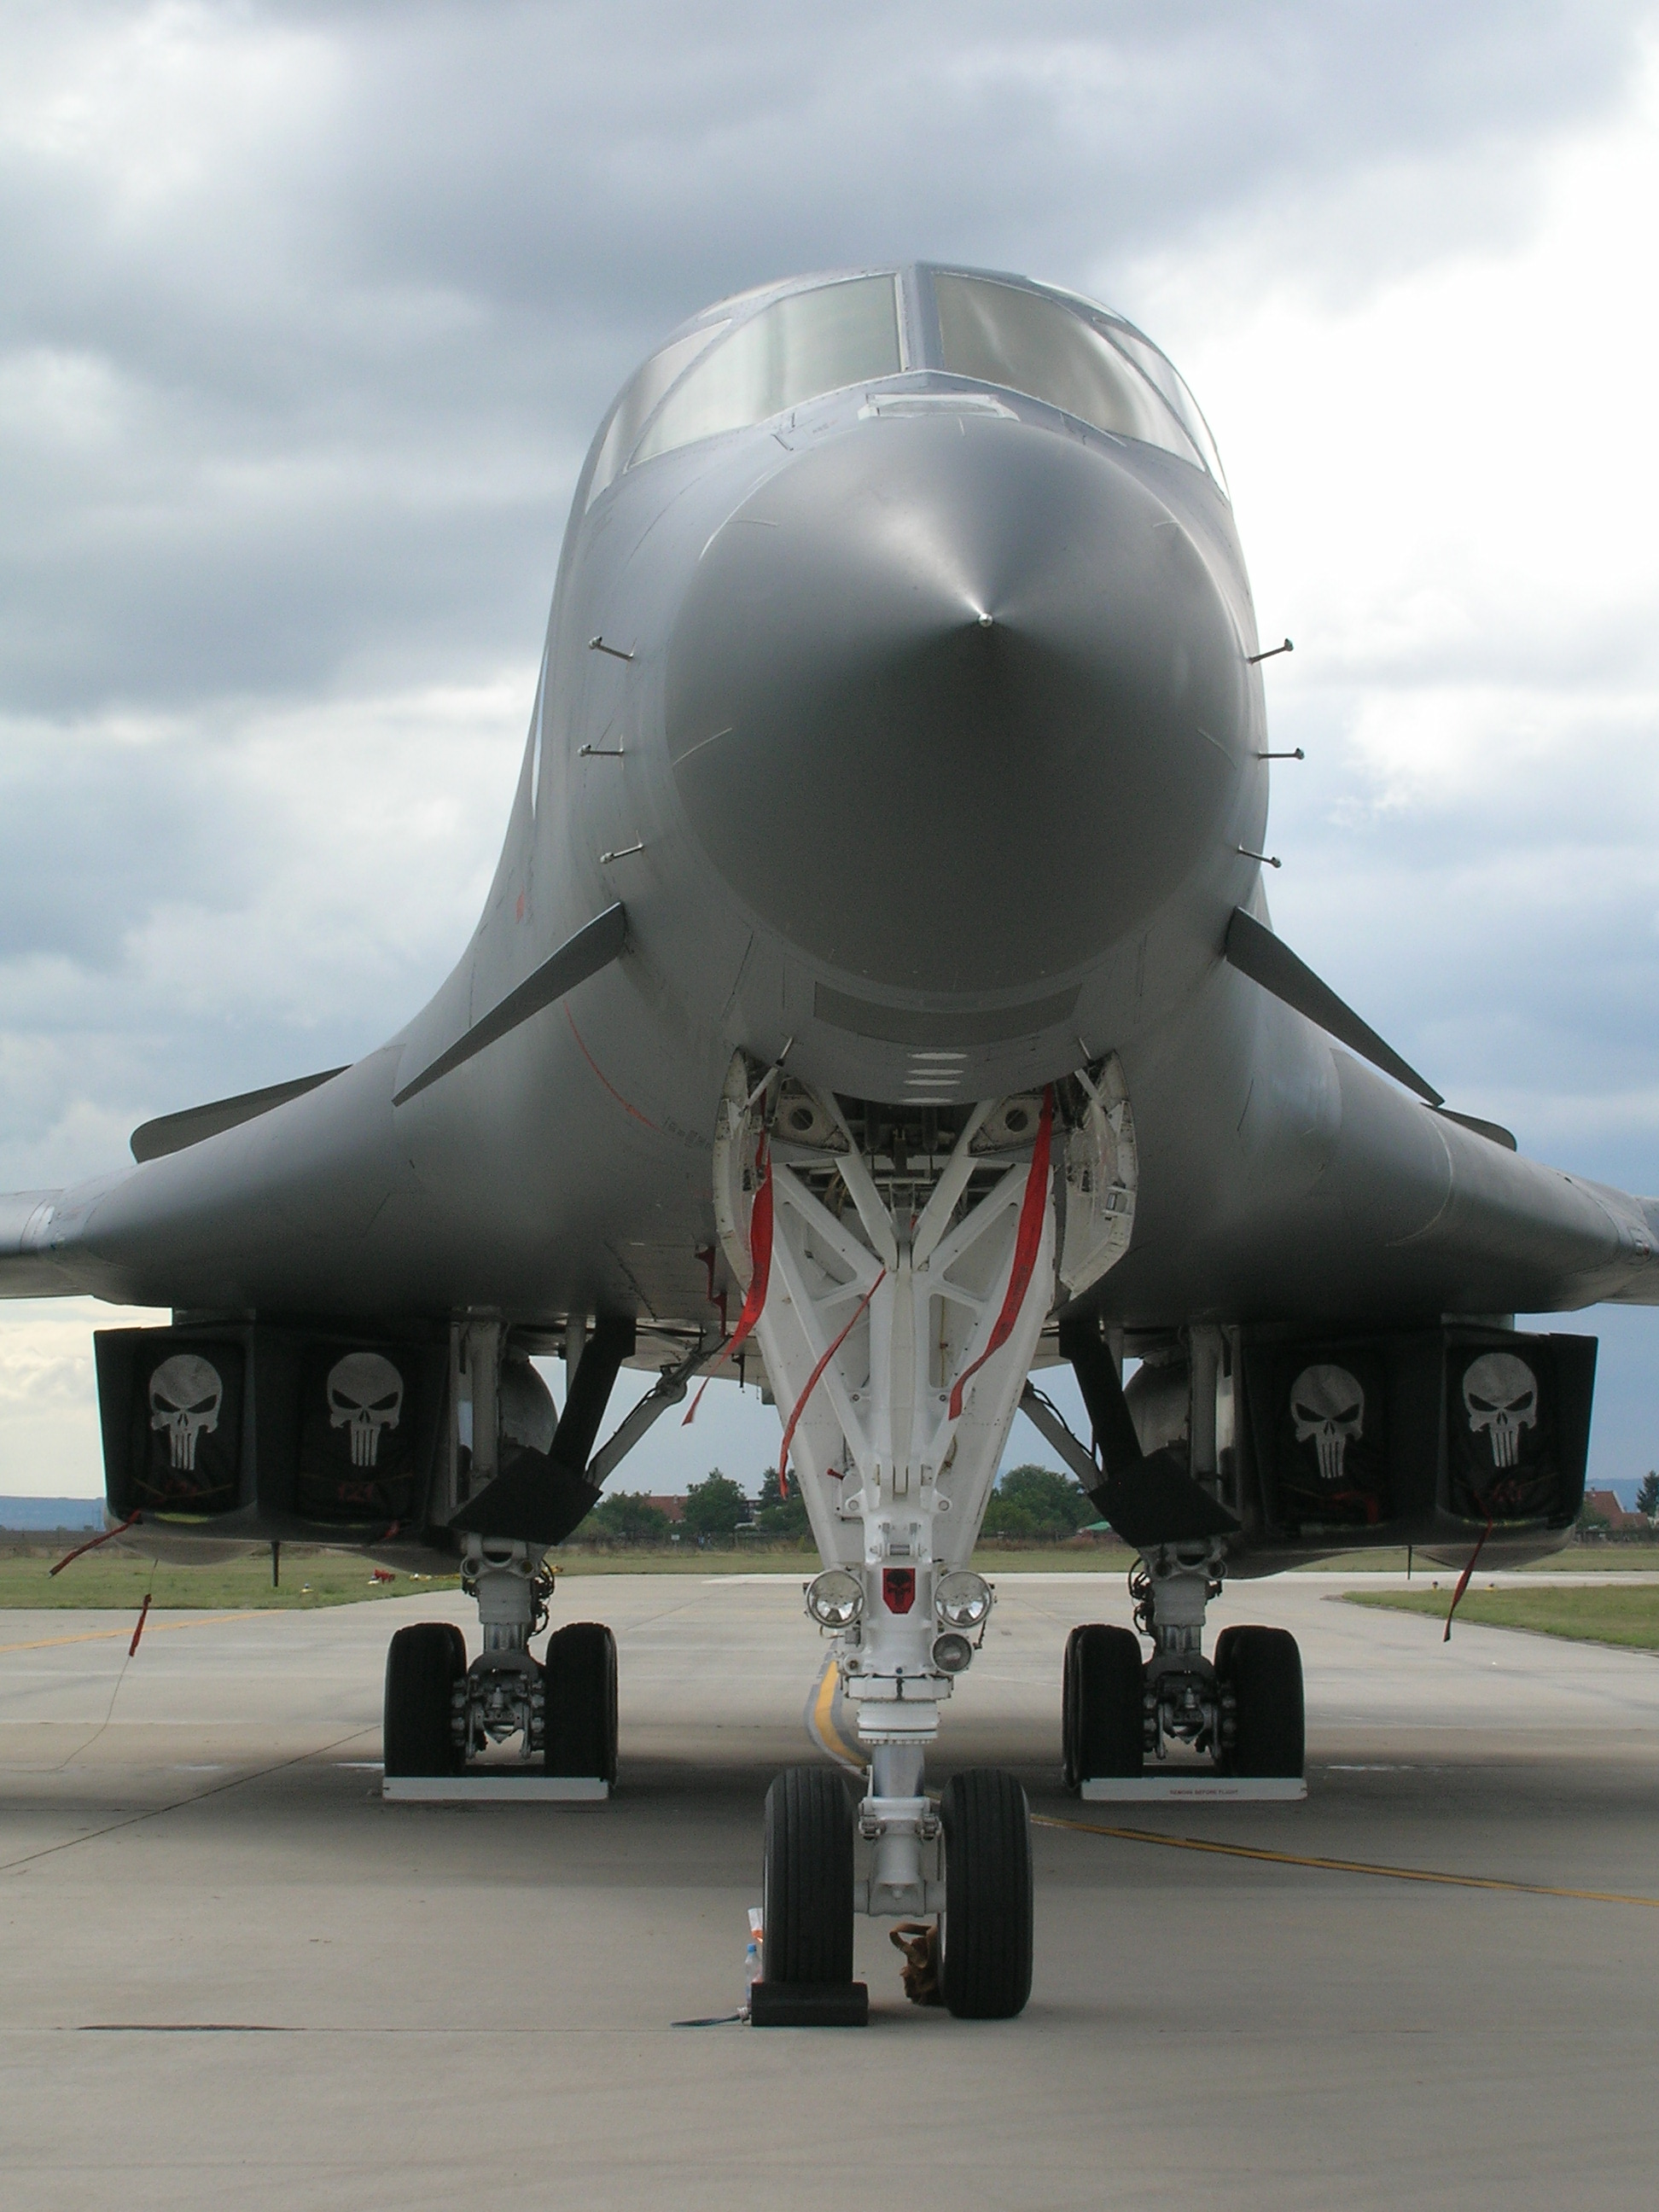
(951, 1652)
(835, 1598)
(962, 1601)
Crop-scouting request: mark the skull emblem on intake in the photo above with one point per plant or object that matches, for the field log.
(185, 1394)
(1500, 1394)
(1328, 1406)
(365, 1396)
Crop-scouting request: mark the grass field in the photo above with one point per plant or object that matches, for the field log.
(1627, 1618)
(112, 1578)
(1576, 1559)
(109, 1578)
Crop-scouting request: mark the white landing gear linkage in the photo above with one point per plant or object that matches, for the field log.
(905, 1276)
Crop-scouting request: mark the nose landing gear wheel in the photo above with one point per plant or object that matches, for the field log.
(807, 1912)
(985, 1929)
(423, 1664)
(1262, 1667)
(580, 1680)
(1101, 1709)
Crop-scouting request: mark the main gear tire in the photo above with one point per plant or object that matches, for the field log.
(1102, 1697)
(1262, 1669)
(579, 1680)
(807, 1894)
(421, 1668)
(986, 1930)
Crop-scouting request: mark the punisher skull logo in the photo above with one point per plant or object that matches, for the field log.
(185, 1394)
(365, 1397)
(1500, 1395)
(1328, 1408)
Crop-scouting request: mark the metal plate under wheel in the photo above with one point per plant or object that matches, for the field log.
(1194, 1790)
(501, 1788)
(809, 2004)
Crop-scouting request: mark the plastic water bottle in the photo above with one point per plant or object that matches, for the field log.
(752, 1959)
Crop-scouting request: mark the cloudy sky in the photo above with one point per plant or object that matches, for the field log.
(307, 313)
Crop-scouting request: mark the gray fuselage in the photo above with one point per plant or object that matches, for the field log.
(916, 730)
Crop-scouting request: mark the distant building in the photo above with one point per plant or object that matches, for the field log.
(1604, 1503)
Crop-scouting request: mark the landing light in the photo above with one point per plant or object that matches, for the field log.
(962, 1601)
(835, 1598)
(951, 1652)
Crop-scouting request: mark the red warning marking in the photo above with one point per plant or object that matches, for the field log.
(1026, 1241)
(812, 1383)
(622, 1102)
(91, 1544)
(760, 1270)
(898, 1589)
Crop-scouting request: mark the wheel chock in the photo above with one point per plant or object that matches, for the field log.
(809, 2004)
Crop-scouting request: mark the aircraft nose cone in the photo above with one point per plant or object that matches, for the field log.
(954, 705)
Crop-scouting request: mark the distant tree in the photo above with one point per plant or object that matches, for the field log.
(1647, 1498)
(628, 1517)
(1005, 1516)
(716, 1509)
(1057, 1505)
(780, 1517)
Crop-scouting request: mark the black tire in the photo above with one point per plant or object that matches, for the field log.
(807, 1913)
(1262, 1667)
(986, 1928)
(421, 1667)
(457, 1637)
(1107, 1733)
(579, 1681)
(1068, 1767)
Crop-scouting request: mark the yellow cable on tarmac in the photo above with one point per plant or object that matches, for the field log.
(1342, 1866)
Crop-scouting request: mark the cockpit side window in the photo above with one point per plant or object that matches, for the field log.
(800, 347)
(1025, 342)
(645, 394)
(1167, 378)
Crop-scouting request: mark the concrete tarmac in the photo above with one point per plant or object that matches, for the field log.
(232, 1974)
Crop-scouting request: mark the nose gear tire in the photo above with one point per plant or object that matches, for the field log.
(1100, 1700)
(986, 1933)
(1262, 1667)
(808, 1894)
(421, 1667)
(579, 1679)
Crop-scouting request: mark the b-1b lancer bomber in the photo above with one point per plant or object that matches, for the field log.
(876, 996)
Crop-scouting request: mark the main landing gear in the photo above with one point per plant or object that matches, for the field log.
(442, 1714)
(1244, 1707)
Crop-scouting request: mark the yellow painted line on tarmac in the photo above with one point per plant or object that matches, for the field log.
(1343, 1866)
(103, 1635)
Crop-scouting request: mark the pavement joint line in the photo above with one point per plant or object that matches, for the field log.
(1343, 1866)
(181, 1804)
(105, 1635)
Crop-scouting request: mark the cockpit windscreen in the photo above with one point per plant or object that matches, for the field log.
(1027, 342)
(802, 345)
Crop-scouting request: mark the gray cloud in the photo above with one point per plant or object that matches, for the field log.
(312, 313)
